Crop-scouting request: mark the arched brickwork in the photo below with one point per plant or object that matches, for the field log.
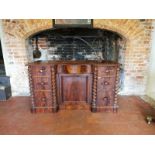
(126, 27)
(25, 27)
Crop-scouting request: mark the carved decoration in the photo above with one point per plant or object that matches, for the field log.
(95, 78)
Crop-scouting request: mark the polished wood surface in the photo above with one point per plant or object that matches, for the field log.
(74, 85)
(43, 87)
(74, 88)
(106, 83)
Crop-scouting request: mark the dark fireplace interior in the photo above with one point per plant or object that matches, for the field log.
(78, 44)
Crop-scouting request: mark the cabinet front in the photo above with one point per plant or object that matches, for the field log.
(74, 85)
(74, 88)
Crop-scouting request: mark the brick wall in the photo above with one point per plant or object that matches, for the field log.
(14, 34)
(138, 35)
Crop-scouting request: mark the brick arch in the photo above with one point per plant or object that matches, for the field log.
(41, 26)
(26, 27)
(109, 28)
(33, 26)
(128, 29)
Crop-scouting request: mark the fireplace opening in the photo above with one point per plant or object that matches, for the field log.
(78, 44)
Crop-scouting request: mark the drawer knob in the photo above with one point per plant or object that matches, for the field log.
(42, 83)
(107, 71)
(105, 98)
(43, 98)
(40, 70)
(106, 83)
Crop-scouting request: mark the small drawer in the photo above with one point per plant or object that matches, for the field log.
(105, 98)
(40, 70)
(86, 69)
(43, 99)
(106, 83)
(74, 69)
(42, 83)
(107, 71)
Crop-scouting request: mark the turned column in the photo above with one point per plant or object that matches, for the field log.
(115, 106)
(94, 91)
(31, 90)
(55, 106)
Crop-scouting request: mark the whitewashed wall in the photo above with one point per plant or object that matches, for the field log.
(151, 73)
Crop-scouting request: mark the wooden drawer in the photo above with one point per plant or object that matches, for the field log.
(42, 83)
(106, 83)
(74, 69)
(107, 71)
(43, 99)
(105, 98)
(40, 70)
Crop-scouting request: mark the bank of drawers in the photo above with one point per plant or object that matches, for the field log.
(106, 83)
(41, 84)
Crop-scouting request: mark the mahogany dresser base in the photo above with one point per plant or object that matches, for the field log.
(56, 85)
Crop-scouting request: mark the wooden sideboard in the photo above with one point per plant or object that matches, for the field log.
(58, 85)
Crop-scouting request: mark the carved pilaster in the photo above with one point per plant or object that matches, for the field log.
(94, 91)
(55, 106)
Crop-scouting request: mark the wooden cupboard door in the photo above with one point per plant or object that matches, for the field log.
(75, 88)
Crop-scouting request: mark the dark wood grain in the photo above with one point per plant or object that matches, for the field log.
(106, 88)
(74, 88)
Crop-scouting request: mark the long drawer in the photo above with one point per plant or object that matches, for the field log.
(105, 98)
(106, 71)
(40, 70)
(43, 99)
(106, 83)
(41, 83)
